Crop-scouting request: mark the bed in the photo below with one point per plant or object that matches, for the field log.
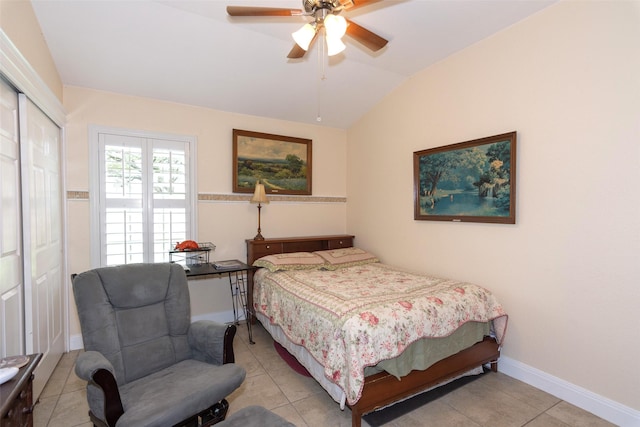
(367, 344)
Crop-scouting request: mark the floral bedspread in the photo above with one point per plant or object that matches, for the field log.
(355, 317)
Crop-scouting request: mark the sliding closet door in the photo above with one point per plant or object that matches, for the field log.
(11, 259)
(42, 199)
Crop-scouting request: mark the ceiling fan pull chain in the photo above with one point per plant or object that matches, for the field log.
(321, 77)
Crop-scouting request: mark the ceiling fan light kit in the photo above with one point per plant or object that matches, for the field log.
(334, 45)
(305, 35)
(326, 16)
(336, 26)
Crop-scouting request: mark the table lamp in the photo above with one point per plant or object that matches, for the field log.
(259, 197)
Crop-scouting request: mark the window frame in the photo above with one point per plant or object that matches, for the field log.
(96, 198)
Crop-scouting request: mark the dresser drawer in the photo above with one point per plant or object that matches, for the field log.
(20, 413)
(346, 242)
(263, 249)
(16, 396)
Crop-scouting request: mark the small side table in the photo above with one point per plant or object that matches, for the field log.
(237, 272)
(16, 396)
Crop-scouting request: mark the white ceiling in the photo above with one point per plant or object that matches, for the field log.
(191, 52)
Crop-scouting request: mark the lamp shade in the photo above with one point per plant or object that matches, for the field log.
(334, 45)
(335, 25)
(259, 195)
(304, 36)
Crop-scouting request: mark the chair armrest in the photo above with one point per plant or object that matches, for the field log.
(212, 342)
(89, 363)
(92, 366)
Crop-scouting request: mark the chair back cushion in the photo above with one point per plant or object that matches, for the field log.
(136, 315)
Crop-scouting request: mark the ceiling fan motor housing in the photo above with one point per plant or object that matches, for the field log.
(309, 5)
(332, 6)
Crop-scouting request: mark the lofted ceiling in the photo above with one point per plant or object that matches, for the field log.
(192, 52)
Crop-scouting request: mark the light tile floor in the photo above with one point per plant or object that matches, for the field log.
(494, 400)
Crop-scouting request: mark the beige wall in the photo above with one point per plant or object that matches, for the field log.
(567, 272)
(226, 224)
(19, 23)
(567, 80)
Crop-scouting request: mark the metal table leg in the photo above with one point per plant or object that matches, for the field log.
(238, 285)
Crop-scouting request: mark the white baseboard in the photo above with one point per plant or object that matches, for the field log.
(75, 341)
(220, 317)
(607, 409)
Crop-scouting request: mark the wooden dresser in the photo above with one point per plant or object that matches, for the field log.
(16, 397)
(259, 248)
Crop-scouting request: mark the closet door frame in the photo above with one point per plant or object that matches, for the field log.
(11, 252)
(17, 71)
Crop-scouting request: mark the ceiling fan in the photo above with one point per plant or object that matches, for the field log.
(326, 17)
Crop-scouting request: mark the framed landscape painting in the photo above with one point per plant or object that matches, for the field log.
(472, 181)
(281, 163)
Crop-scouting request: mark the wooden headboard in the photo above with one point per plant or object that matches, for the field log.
(259, 248)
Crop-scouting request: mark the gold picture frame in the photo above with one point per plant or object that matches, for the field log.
(472, 181)
(282, 163)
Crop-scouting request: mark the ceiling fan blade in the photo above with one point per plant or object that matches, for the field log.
(366, 37)
(298, 52)
(352, 4)
(262, 11)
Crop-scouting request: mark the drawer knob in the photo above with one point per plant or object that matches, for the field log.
(340, 241)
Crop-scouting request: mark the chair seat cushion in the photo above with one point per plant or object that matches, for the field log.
(173, 394)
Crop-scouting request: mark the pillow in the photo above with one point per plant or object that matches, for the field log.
(346, 257)
(290, 261)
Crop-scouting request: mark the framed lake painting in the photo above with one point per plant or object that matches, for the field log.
(281, 163)
(472, 181)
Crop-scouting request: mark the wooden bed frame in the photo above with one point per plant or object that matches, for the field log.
(381, 389)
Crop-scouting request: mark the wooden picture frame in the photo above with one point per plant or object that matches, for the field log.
(472, 181)
(281, 163)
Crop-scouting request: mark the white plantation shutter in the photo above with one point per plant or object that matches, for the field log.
(170, 211)
(146, 196)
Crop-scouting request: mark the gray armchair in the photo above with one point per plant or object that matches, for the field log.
(145, 362)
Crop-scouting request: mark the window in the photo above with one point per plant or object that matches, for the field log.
(142, 195)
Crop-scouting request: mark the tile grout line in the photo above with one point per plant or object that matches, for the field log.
(66, 379)
(290, 403)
